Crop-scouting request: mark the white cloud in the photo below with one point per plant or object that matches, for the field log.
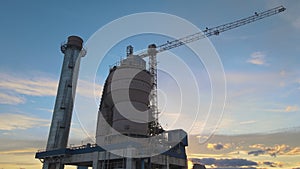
(20, 151)
(294, 151)
(259, 146)
(12, 87)
(44, 109)
(19, 158)
(38, 86)
(18, 121)
(89, 89)
(257, 58)
(286, 109)
(11, 99)
(291, 108)
(247, 122)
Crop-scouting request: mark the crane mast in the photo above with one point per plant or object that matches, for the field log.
(152, 51)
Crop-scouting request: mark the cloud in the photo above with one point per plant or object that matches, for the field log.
(256, 152)
(11, 99)
(291, 108)
(38, 86)
(247, 122)
(44, 109)
(271, 164)
(286, 109)
(275, 150)
(217, 146)
(19, 151)
(19, 158)
(257, 146)
(13, 87)
(8, 144)
(18, 121)
(257, 58)
(89, 89)
(294, 151)
(236, 162)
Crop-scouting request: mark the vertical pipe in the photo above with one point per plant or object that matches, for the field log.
(96, 163)
(142, 163)
(62, 114)
(149, 162)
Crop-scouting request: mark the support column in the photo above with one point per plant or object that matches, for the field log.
(167, 166)
(96, 163)
(142, 164)
(130, 162)
(62, 113)
(82, 167)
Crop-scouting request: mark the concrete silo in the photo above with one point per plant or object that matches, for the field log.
(125, 100)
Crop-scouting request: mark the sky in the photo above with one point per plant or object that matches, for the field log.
(257, 124)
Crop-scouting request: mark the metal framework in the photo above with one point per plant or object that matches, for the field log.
(153, 50)
(154, 127)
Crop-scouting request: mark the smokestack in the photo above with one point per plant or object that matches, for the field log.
(62, 114)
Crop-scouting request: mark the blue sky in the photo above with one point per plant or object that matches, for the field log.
(261, 65)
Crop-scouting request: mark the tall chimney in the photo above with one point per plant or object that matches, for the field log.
(62, 114)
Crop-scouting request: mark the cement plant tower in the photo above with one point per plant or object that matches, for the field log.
(124, 135)
(128, 133)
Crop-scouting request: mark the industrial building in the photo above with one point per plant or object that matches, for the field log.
(128, 133)
(124, 135)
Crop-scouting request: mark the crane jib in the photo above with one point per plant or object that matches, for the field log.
(152, 50)
(218, 29)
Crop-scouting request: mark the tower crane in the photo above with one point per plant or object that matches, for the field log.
(153, 50)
